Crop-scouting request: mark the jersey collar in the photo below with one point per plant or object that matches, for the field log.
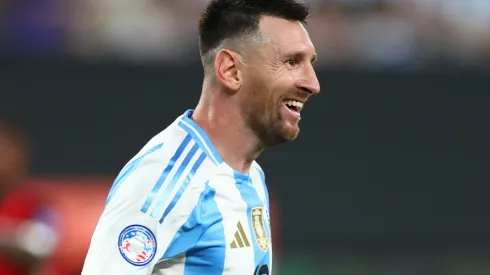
(199, 136)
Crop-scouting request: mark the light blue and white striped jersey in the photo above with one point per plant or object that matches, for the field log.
(177, 209)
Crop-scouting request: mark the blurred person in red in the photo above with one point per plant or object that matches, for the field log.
(27, 231)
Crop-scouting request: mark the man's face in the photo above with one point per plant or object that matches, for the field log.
(278, 79)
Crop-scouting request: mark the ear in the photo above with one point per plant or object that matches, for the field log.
(227, 71)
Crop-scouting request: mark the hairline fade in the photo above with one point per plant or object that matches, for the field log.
(238, 44)
(233, 24)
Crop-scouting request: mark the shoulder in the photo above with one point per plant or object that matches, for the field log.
(169, 138)
(162, 150)
(169, 165)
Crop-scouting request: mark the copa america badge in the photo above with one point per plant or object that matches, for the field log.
(137, 245)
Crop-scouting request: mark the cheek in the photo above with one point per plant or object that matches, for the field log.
(283, 83)
(266, 92)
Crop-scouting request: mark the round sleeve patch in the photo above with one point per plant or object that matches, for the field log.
(137, 245)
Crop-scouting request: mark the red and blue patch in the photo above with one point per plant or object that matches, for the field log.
(137, 245)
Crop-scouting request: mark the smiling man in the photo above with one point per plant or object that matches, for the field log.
(194, 200)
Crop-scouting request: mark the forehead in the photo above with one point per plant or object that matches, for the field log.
(286, 36)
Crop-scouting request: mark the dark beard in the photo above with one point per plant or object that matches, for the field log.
(262, 114)
(266, 124)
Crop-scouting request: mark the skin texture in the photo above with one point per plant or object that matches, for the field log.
(279, 70)
(242, 104)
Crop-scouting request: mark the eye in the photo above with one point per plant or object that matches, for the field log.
(291, 62)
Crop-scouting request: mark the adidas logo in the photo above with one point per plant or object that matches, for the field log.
(240, 240)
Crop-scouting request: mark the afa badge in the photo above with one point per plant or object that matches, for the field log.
(137, 245)
(259, 229)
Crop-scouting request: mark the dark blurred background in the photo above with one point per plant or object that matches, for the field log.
(389, 175)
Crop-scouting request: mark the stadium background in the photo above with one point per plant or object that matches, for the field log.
(389, 175)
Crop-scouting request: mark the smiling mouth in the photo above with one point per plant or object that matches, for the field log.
(294, 105)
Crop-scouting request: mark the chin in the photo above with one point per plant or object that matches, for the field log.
(291, 134)
(282, 136)
(290, 131)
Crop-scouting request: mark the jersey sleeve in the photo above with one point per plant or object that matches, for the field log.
(139, 224)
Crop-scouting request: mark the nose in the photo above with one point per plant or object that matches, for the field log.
(309, 82)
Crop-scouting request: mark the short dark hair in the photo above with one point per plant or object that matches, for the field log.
(224, 19)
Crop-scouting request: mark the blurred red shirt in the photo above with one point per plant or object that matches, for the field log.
(27, 225)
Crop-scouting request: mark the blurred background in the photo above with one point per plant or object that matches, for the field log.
(388, 177)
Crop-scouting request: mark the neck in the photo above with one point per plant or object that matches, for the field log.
(236, 143)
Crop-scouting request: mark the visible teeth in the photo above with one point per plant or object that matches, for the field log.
(294, 103)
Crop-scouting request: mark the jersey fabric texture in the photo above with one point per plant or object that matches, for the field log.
(177, 209)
